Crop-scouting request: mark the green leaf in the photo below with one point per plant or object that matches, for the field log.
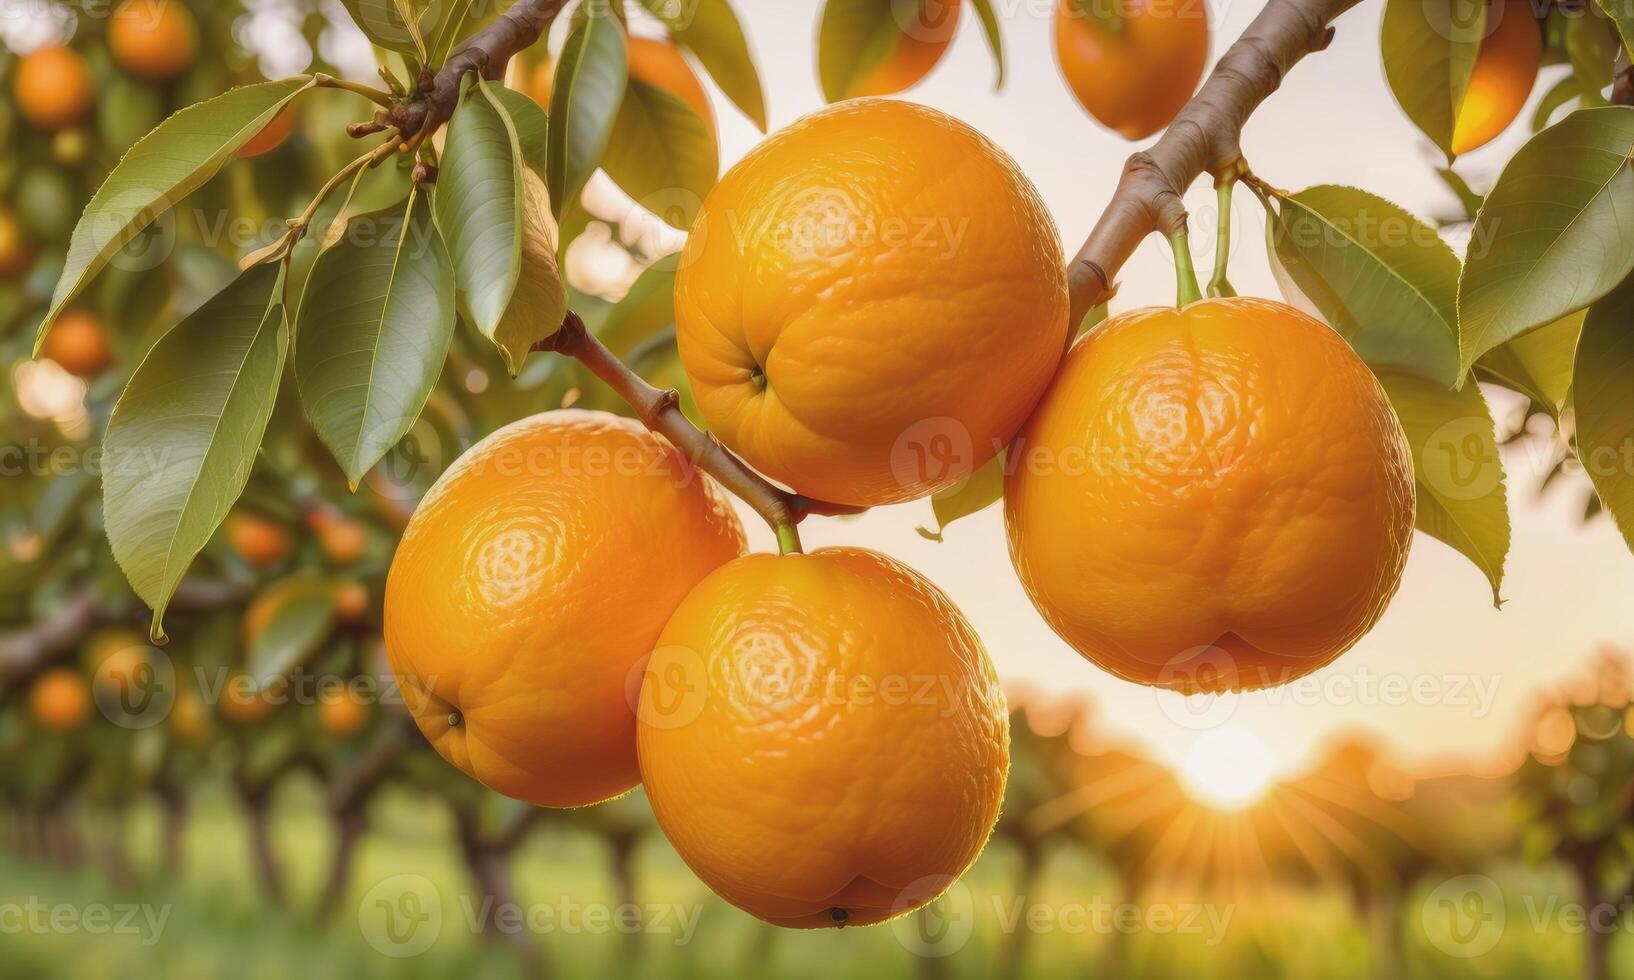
(1382, 278)
(1558, 95)
(711, 31)
(532, 128)
(981, 490)
(995, 38)
(1460, 477)
(1591, 44)
(854, 38)
(296, 632)
(1604, 398)
(1555, 234)
(478, 205)
(1538, 364)
(390, 24)
(1429, 49)
(1622, 14)
(162, 168)
(590, 80)
(645, 310)
(183, 437)
(539, 304)
(374, 327)
(1467, 198)
(662, 154)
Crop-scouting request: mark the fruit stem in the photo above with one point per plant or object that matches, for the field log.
(660, 411)
(1219, 285)
(1185, 275)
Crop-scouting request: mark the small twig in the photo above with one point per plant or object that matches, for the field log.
(659, 410)
(379, 97)
(1204, 137)
(487, 51)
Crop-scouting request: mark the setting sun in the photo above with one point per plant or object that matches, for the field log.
(1227, 768)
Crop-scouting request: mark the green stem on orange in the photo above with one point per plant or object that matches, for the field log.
(1219, 285)
(1185, 275)
(788, 539)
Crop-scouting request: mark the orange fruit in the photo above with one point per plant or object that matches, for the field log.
(60, 700)
(928, 27)
(53, 87)
(533, 578)
(243, 702)
(271, 137)
(118, 660)
(155, 41)
(1136, 77)
(256, 539)
(14, 252)
(79, 343)
(538, 82)
(1213, 498)
(661, 65)
(870, 303)
(343, 713)
(351, 601)
(342, 539)
(189, 723)
(1501, 81)
(823, 737)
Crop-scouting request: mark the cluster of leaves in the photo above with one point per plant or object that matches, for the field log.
(364, 317)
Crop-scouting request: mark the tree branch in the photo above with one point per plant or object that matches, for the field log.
(1204, 137)
(487, 52)
(660, 411)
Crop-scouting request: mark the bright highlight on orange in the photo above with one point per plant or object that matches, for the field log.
(1227, 768)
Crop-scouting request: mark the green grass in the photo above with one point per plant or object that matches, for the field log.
(218, 924)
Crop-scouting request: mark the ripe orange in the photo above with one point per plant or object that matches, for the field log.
(823, 737)
(661, 64)
(343, 713)
(14, 252)
(535, 575)
(928, 27)
(1505, 68)
(118, 660)
(79, 343)
(538, 82)
(60, 700)
(342, 539)
(271, 137)
(53, 87)
(1136, 78)
(189, 723)
(351, 601)
(256, 539)
(871, 302)
(243, 702)
(1213, 498)
(153, 41)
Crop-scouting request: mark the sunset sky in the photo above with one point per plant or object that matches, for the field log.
(1473, 668)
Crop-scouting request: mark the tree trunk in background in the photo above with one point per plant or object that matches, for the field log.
(348, 829)
(261, 847)
(113, 848)
(1595, 940)
(1013, 951)
(173, 807)
(491, 871)
(623, 857)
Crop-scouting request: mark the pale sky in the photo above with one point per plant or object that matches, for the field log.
(1569, 588)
